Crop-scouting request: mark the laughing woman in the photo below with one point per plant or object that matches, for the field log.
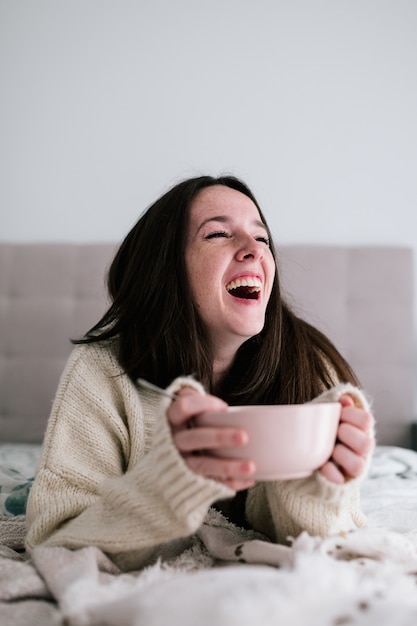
(195, 308)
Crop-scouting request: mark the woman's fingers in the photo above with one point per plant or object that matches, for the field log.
(193, 441)
(190, 403)
(349, 462)
(207, 438)
(228, 471)
(355, 441)
(332, 473)
(354, 438)
(235, 483)
(357, 417)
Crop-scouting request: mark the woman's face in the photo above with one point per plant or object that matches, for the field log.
(230, 266)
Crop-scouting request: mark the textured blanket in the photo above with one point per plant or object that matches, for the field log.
(228, 577)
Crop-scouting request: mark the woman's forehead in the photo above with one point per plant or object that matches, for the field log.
(223, 202)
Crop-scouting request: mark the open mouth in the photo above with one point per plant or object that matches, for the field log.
(246, 288)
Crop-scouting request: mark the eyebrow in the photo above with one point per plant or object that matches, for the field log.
(224, 219)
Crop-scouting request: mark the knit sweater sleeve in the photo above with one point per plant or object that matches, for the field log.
(110, 475)
(282, 509)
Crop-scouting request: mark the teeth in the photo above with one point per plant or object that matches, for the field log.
(244, 282)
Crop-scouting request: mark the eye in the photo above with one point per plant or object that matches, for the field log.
(220, 233)
(264, 240)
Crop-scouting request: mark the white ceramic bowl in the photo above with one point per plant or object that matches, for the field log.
(285, 441)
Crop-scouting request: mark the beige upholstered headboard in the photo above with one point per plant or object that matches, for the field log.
(362, 297)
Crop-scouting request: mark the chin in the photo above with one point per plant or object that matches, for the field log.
(251, 332)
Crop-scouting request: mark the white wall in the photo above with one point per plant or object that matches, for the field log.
(106, 103)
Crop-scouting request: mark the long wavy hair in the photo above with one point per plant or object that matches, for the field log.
(159, 334)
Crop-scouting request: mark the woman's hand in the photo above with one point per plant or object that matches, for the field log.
(355, 442)
(195, 442)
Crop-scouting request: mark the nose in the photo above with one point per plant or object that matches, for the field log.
(249, 248)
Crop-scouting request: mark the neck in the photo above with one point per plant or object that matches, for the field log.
(219, 370)
(222, 363)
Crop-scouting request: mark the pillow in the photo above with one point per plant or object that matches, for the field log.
(14, 491)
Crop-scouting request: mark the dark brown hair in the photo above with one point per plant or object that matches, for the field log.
(160, 334)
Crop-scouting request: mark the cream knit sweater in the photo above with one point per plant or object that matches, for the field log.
(110, 475)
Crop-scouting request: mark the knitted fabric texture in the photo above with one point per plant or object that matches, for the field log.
(110, 475)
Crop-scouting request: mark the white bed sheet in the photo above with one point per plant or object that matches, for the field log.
(20, 457)
(389, 493)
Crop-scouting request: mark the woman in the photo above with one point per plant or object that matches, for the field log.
(195, 291)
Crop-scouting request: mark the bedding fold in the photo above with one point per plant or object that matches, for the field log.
(371, 567)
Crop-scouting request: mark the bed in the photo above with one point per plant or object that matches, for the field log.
(362, 297)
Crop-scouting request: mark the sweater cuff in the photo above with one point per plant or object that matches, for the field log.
(184, 381)
(358, 396)
(334, 492)
(361, 401)
(189, 494)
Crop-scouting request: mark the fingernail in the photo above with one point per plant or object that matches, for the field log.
(248, 467)
(240, 437)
